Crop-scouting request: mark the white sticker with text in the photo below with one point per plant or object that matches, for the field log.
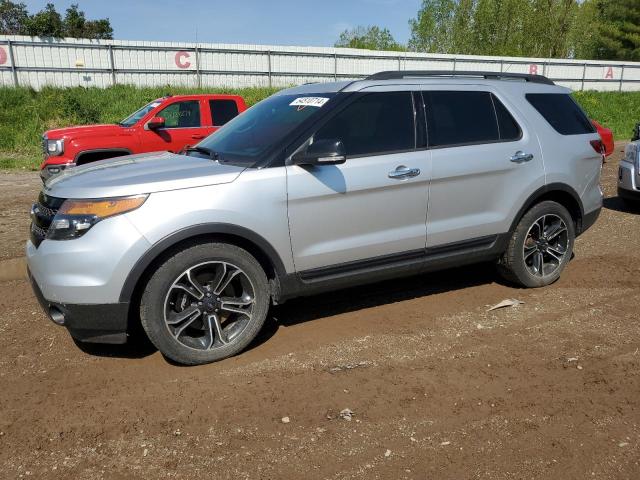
(309, 102)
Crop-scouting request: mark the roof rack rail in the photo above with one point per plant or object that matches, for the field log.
(400, 74)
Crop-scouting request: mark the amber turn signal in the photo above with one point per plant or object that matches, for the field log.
(102, 208)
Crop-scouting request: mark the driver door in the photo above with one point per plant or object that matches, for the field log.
(373, 207)
(183, 126)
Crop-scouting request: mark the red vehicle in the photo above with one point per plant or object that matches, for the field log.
(606, 135)
(169, 123)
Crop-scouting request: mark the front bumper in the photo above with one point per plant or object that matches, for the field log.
(53, 169)
(628, 181)
(78, 282)
(87, 323)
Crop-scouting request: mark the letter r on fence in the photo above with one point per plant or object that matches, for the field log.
(181, 61)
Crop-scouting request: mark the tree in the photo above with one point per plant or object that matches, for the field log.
(13, 17)
(535, 28)
(74, 22)
(432, 29)
(617, 29)
(77, 26)
(15, 20)
(46, 23)
(369, 38)
(98, 29)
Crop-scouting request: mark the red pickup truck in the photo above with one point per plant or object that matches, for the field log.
(168, 123)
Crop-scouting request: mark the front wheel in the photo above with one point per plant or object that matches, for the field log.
(206, 303)
(540, 247)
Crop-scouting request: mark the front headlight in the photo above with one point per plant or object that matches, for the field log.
(76, 217)
(632, 154)
(55, 147)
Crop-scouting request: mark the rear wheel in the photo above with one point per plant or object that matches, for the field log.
(205, 303)
(540, 247)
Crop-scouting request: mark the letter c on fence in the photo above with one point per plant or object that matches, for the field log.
(3, 56)
(181, 61)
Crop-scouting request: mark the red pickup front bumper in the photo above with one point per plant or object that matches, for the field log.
(54, 165)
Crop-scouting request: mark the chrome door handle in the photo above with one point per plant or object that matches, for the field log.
(404, 172)
(521, 157)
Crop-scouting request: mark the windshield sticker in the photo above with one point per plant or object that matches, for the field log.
(155, 104)
(302, 102)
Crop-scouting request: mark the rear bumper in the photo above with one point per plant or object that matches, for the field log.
(87, 323)
(589, 219)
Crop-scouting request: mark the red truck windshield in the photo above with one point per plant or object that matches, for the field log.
(132, 119)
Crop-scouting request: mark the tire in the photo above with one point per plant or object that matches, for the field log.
(554, 246)
(222, 293)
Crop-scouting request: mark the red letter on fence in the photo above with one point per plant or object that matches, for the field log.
(533, 69)
(179, 59)
(3, 56)
(609, 73)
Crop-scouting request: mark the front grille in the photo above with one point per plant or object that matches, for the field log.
(42, 213)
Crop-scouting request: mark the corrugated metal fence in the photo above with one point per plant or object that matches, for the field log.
(37, 62)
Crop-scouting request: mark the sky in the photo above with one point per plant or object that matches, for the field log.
(276, 22)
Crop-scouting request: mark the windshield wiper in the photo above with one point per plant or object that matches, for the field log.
(206, 151)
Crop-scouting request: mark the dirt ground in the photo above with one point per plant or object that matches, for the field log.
(439, 387)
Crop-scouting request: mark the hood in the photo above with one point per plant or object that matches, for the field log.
(137, 174)
(85, 131)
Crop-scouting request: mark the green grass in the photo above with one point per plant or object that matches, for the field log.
(25, 114)
(619, 111)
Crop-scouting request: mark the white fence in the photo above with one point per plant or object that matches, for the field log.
(37, 62)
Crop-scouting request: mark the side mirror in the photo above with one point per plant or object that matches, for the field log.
(154, 124)
(322, 152)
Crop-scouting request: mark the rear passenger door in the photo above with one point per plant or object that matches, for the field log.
(486, 162)
(371, 209)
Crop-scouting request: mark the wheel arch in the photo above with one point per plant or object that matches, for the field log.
(244, 238)
(557, 192)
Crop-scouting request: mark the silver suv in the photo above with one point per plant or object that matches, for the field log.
(319, 187)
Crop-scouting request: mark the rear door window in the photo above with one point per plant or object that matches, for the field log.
(374, 124)
(460, 118)
(562, 113)
(222, 111)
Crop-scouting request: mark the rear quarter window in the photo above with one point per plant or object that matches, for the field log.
(562, 113)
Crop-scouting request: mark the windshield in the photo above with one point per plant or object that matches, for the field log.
(132, 119)
(252, 134)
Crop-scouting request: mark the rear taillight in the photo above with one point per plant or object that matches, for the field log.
(598, 146)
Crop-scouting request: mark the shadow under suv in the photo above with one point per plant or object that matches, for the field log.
(318, 187)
